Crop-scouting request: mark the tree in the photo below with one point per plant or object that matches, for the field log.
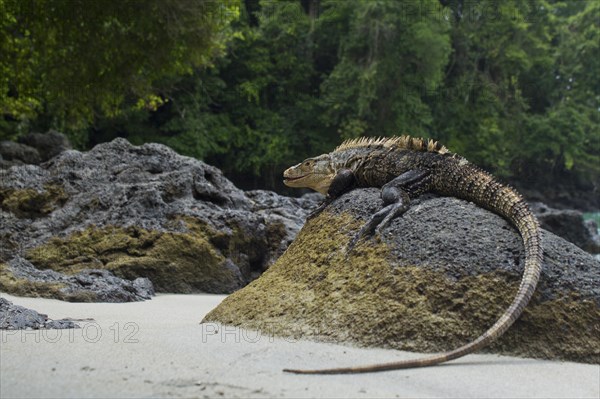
(500, 48)
(255, 110)
(521, 90)
(565, 137)
(66, 62)
(390, 54)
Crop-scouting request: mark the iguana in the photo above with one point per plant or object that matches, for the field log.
(406, 167)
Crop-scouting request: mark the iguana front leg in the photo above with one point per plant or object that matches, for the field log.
(396, 198)
(343, 181)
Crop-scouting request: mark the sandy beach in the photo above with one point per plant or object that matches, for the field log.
(158, 348)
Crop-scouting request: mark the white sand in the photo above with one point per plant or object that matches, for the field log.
(158, 348)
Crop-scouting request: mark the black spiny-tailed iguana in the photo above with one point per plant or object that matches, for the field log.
(405, 167)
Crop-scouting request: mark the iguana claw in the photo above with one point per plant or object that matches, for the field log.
(377, 223)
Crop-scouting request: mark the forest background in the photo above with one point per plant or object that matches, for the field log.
(253, 87)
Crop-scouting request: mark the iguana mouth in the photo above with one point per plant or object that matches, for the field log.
(293, 178)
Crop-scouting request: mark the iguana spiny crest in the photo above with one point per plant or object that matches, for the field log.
(317, 173)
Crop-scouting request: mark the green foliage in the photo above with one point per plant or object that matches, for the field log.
(377, 86)
(496, 49)
(288, 86)
(566, 136)
(512, 85)
(67, 62)
(522, 89)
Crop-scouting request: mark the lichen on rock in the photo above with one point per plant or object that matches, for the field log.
(435, 279)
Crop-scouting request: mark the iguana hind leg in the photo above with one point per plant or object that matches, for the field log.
(396, 198)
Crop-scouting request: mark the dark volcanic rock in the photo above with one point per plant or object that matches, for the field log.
(20, 277)
(48, 145)
(580, 195)
(14, 317)
(436, 278)
(136, 211)
(12, 153)
(568, 224)
(33, 148)
(284, 216)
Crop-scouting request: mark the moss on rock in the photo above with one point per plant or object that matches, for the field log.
(13, 285)
(315, 290)
(182, 262)
(31, 203)
(116, 185)
(84, 287)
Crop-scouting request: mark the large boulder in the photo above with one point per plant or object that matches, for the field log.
(121, 212)
(436, 278)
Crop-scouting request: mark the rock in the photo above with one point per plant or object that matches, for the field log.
(436, 278)
(20, 277)
(568, 194)
(284, 216)
(48, 145)
(568, 224)
(32, 148)
(14, 317)
(136, 211)
(17, 154)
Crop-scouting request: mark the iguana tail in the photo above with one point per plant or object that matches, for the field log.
(471, 183)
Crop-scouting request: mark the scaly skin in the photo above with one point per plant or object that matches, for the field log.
(406, 167)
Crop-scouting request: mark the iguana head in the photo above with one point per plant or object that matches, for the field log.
(315, 173)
